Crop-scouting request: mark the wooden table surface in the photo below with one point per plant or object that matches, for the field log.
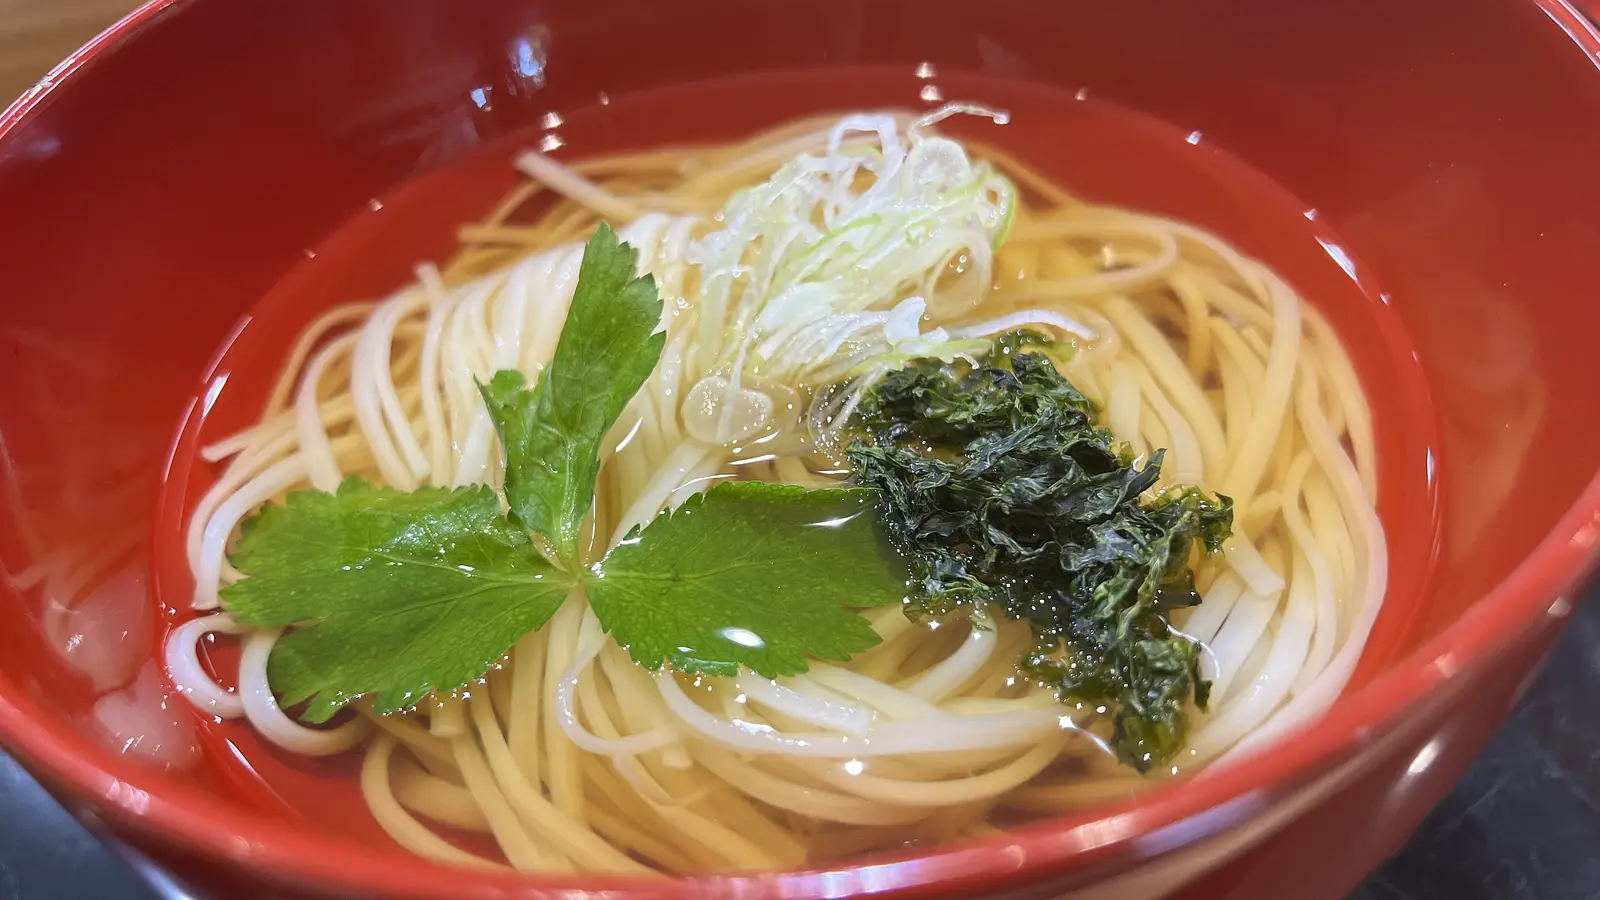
(37, 34)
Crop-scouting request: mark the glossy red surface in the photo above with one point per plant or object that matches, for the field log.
(172, 175)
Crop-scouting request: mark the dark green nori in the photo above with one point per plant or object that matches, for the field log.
(1002, 492)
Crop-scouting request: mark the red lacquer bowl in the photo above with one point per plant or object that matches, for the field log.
(172, 173)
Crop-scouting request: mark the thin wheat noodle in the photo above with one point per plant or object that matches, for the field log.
(1175, 379)
(1327, 611)
(537, 813)
(304, 344)
(434, 798)
(405, 830)
(576, 759)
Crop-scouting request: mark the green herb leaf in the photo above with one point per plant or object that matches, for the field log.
(397, 594)
(1001, 490)
(608, 347)
(750, 574)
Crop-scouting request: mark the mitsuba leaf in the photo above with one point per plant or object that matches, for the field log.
(750, 574)
(395, 594)
(608, 347)
(999, 488)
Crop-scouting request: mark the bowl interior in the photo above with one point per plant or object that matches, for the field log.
(210, 156)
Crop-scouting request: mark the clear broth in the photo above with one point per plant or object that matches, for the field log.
(1095, 150)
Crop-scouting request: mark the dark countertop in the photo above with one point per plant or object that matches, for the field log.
(1524, 824)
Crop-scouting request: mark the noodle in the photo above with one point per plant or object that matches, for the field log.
(575, 759)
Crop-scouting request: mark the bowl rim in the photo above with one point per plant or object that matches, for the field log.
(120, 790)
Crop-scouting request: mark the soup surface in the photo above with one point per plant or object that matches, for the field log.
(1094, 152)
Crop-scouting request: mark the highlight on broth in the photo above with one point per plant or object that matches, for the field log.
(862, 487)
